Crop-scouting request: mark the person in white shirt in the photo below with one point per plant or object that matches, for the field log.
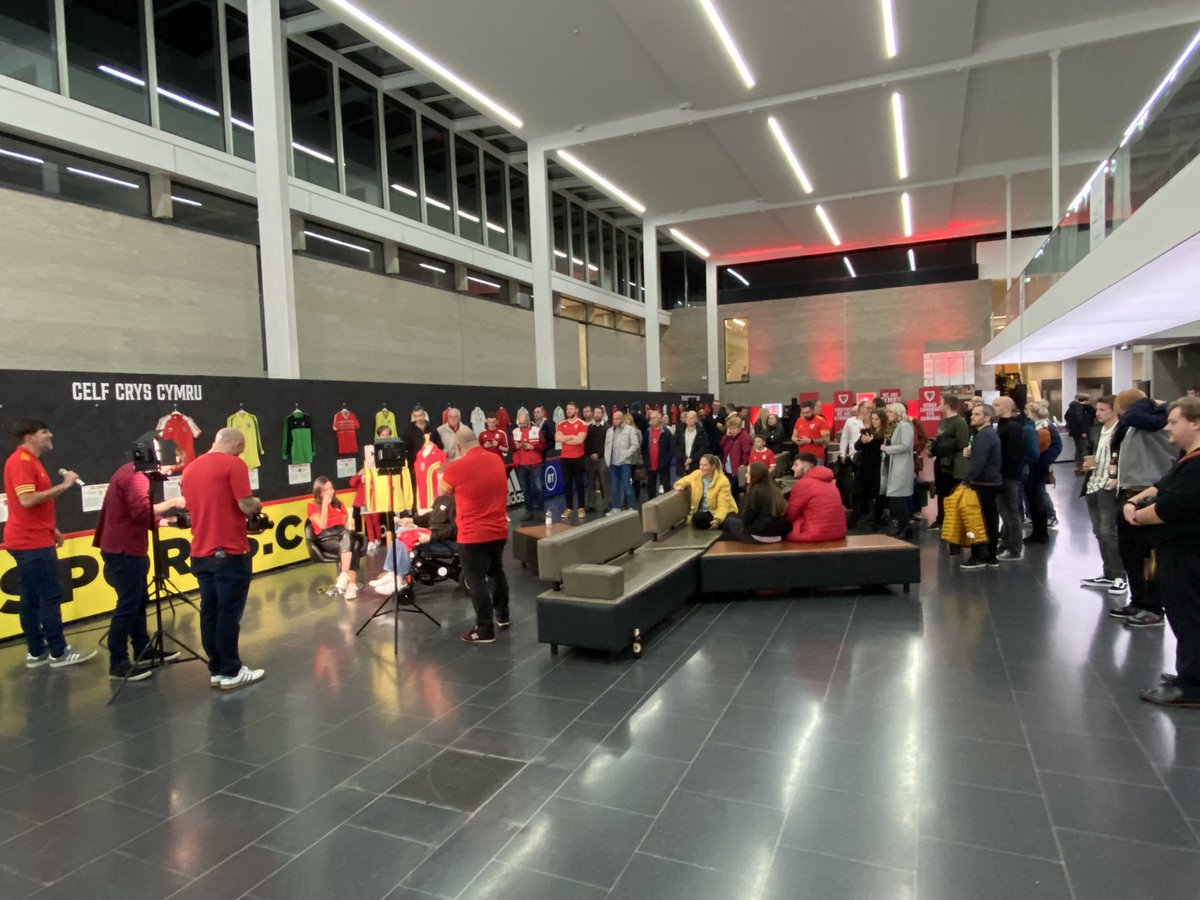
(852, 431)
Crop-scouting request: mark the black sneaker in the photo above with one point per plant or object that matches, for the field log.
(1122, 612)
(1010, 556)
(993, 563)
(1143, 618)
(1168, 678)
(1100, 582)
(503, 620)
(474, 637)
(154, 660)
(126, 672)
(973, 565)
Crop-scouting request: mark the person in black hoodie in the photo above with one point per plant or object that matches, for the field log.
(1011, 431)
(690, 430)
(1080, 416)
(598, 488)
(414, 434)
(763, 517)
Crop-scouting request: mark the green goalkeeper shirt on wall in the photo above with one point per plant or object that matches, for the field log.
(297, 439)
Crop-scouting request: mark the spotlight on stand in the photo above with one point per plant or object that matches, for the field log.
(154, 456)
(389, 455)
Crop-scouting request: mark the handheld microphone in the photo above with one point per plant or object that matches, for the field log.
(78, 481)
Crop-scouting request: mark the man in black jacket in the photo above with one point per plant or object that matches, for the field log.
(597, 469)
(691, 442)
(657, 447)
(1012, 460)
(414, 434)
(1080, 416)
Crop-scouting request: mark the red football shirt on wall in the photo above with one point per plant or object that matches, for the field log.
(345, 424)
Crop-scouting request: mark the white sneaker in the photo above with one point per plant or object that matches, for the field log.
(372, 546)
(1118, 587)
(35, 662)
(342, 581)
(384, 579)
(214, 681)
(351, 591)
(70, 657)
(243, 678)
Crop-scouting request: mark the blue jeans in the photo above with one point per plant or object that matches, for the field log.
(532, 482)
(127, 576)
(397, 558)
(41, 594)
(622, 486)
(224, 582)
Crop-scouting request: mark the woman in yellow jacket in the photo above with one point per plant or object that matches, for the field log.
(711, 498)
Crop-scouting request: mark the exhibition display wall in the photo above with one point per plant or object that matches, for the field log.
(97, 417)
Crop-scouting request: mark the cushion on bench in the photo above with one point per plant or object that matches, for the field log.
(683, 538)
(594, 582)
(595, 542)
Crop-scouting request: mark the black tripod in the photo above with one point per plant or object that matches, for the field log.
(401, 599)
(155, 654)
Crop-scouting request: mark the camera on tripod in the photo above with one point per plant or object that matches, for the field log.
(257, 523)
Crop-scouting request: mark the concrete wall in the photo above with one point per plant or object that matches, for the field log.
(82, 288)
(616, 360)
(1175, 370)
(858, 341)
(566, 353)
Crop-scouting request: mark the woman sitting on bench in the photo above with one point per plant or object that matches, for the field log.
(711, 499)
(764, 510)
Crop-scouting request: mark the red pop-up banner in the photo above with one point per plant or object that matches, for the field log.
(891, 395)
(843, 409)
(930, 409)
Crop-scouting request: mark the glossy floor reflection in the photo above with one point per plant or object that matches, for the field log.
(980, 738)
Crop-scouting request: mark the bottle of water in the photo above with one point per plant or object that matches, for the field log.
(549, 520)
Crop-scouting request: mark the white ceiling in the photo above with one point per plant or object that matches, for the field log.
(980, 109)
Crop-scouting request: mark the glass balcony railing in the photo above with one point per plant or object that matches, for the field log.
(1162, 139)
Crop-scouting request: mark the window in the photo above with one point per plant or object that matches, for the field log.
(696, 275)
(470, 206)
(314, 147)
(205, 211)
(360, 141)
(621, 283)
(609, 257)
(27, 45)
(31, 167)
(341, 247)
(672, 278)
(241, 115)
(518, 195)
(435, 143)
(425, 269)
(488, 286)
(737, 351)
(399, 125)
(636, 290)
(578, 249)
(497, 203)
(104, 55)
(593, 249)
(189, 70)
(562, 241)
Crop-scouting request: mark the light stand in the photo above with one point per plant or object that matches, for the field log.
(154, 654)
(389, 460)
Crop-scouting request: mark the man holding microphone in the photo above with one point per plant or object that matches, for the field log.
(32, 538)
(217, 488)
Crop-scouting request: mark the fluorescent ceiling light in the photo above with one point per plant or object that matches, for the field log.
(433, 201)
(124, 76)
(409, 50)
(889, 28)
(470, 217)
(898, 127)
(688, 242)
(166, 92)
(244, 125)
(315, 154)
(185, 201)
(107, 178)
(1087, 188)
(789, 154)
(483, 281)
(735, 55)
(404, 190)
(849, 267)
(906, 213)
(592, 267)
(187, 101)
(740, 323)
(433, 268)
(559, 253)
(912, 259)
(576, 261)
(23, 157)
(829, 229)
(738, 275)
(1140, 119)
(588, 172)
(499, 229)
(329, 240)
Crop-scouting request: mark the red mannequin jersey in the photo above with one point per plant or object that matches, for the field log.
(427, 472)
(503, 422)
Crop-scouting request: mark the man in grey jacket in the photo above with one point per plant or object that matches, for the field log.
(622, 451)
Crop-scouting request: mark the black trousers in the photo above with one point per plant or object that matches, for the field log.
(655, 477)
(1179, 574)
(1035, 502)
(575, 474)
(1134, 547)
(944, 483)
(127, 576)
(483, 573)
(989, 495)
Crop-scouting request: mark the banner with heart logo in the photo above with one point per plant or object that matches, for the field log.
(930, 411)
(843, 409)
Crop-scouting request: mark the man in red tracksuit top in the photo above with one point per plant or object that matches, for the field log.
(494, 439)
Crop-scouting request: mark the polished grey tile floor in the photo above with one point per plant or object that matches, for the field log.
(980, 738)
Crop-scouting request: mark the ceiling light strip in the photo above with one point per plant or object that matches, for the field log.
(1140, 119)
(739, 276)
(912, 259)
(849, 267)
(890, 45)
(23, 157)
(600, 181)
(185, 201)
(321, 237)
(410, 50)
(789, 154)
(433, 268)
(483, 281)
(106, 178)
(688, 242)
(727, 42)
(901, 142)
(829, 229)
(407, 191)
(906, 213)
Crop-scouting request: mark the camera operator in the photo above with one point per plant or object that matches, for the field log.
(122, 537)
(217, 488)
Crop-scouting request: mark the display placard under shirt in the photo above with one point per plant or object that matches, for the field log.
(92, 496)
(347, 466)
(300, 474)
(950, 368)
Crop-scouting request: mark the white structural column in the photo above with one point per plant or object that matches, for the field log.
(271, 178)
(543, 266)
(1122, 369)
(712, 341)
(1008, 273)
(1070, 381)
(1055, 190)
(650, 282)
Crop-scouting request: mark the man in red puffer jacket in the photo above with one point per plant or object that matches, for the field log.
(815, 505)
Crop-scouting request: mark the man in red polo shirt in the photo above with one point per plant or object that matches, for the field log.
(217, 488)
(571, 434)
(480, 488)
(122, 534)
(32, 539)
(811, 432)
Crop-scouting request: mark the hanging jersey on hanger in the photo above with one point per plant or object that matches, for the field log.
(297, 439)
(503, 422)
(559, 416)
(427, 472)
(345, 425)
(247, 424)
(388, 493)
(522, 411)
(478, 420)
(182, 431)
(385, 417)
